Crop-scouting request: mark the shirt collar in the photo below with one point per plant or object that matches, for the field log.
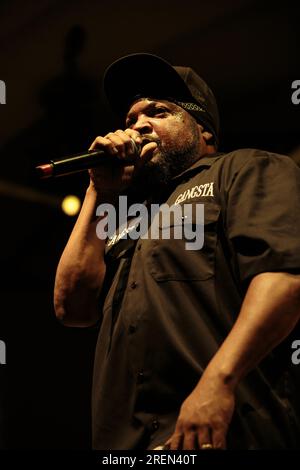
(203, 162)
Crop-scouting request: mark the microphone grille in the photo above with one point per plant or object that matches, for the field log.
(136, 146)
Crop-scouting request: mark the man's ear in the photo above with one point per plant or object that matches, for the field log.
(208, 137)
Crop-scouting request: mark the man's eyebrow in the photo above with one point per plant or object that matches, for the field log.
(148, 106)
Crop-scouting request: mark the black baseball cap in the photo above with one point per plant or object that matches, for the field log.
(148, 75)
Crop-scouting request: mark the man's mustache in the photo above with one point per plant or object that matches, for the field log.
(148, 139)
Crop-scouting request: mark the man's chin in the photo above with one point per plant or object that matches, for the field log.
(156, 156)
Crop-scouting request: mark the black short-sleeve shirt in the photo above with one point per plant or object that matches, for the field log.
(168, 309)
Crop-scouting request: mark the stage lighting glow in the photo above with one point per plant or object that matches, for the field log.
(71, 205)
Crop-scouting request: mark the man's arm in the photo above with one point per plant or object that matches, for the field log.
(81, 269)
(270, 311)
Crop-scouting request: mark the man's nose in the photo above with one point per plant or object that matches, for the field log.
(143, 125)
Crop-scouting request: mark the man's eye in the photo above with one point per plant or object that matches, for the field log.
(160, 110)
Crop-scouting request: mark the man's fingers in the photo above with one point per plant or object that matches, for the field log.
(105, 143)
(167, 445)
(190, 441)
(128, 141)
(119, 142)
(136, 136)
(204, 438)
(176, 441)
(148, 150)
(219, 439)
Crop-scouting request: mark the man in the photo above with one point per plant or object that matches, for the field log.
(194, 348)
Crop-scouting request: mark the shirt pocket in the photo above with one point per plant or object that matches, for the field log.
(169, 259)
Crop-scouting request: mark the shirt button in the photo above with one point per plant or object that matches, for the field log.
(132, 329)
(133, 285)
(155, 425)
(140, 377)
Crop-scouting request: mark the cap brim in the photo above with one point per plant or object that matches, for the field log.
(141, 74)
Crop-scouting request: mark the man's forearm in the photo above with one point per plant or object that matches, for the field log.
(81, 269)
(270, 311)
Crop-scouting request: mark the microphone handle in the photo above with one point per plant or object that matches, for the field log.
(81, 162)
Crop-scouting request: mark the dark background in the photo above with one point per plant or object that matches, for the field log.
(53, 55)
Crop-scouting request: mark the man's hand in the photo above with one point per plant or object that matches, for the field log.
(270, 311)
(204, 417)
(112, 179)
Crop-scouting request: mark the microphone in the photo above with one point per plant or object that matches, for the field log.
(84, 161)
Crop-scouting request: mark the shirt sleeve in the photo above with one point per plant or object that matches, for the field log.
(263, 215)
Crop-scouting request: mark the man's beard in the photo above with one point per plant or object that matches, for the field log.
(159, 171)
